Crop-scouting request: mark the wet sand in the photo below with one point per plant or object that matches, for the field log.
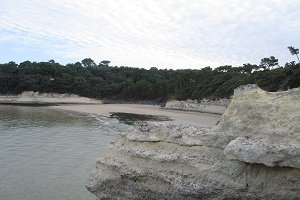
(178, 117)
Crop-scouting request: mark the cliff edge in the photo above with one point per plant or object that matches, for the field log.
(254, 153)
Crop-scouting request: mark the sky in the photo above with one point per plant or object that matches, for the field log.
(177, 34)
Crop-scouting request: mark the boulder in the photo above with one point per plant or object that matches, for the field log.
(266, 125)
(254, 111)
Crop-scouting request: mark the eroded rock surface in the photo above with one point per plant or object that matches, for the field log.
(206, 106)
(271, 150)
(252, 154)
(257, 112)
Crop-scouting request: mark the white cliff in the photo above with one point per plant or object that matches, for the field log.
(252, 154)
(30, 97)
(206, 106)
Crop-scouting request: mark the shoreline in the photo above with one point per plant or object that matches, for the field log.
(177, 116)
(43, 104)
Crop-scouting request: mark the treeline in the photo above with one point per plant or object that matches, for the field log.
(86, 78)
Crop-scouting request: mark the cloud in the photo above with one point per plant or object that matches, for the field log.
(162, 33)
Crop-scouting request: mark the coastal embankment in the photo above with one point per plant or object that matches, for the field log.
(253, 153)
(205, 106)
(36, 98)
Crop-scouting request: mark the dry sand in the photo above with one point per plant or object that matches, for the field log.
(178, 117)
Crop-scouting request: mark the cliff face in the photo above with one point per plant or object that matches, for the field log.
(216, 107)
(253, 153)
(31, 97)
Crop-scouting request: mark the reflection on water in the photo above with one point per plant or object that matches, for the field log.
(48, 154)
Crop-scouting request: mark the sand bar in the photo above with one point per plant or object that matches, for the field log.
(178, 117)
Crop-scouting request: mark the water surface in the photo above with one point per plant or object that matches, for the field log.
(48, 154)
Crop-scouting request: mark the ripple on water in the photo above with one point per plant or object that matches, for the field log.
(48, 154)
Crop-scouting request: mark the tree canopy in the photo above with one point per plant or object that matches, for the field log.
(267, 63)
(294, 51)
(88, 79)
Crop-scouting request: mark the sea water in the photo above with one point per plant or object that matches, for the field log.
(47, 154)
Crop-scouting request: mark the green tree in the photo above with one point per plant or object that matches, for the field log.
(248, 68)
(267, 63)
(294, 51)
(104, 63)
(51, 61)
(127, 83)
(225, 68)
(88, 62)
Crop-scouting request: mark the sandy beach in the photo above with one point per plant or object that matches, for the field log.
(178, 117)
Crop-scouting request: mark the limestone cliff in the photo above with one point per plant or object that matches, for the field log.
(30, 97)
(206, 106)
(253, 153)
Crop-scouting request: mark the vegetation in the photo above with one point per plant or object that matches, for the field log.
(268, 63)
(86, 78)
(294, 51)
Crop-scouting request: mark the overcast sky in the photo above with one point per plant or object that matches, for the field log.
(145, 33)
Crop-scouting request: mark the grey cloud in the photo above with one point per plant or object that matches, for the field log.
(162, 33)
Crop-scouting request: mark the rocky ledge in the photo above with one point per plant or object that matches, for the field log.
(253, 153)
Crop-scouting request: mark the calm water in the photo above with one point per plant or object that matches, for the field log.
(47, 154)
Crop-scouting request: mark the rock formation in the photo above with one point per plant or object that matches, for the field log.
(253, 153)
(206, 106)
(30, 97)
